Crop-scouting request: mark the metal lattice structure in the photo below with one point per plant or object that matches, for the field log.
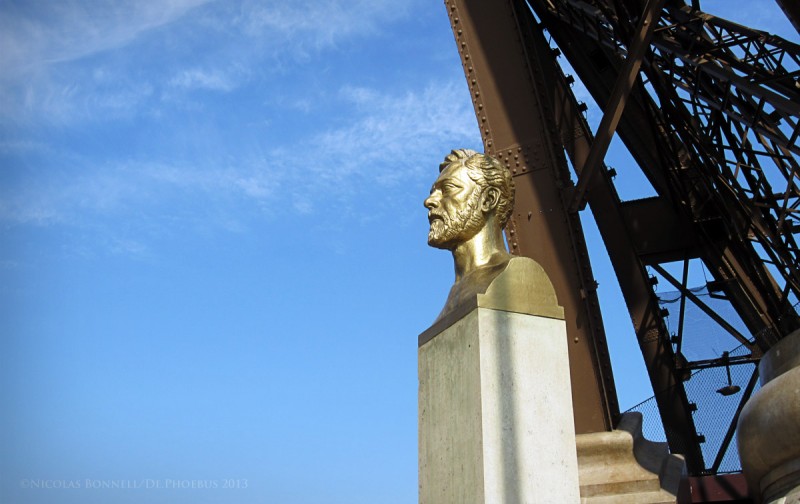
(710, 112)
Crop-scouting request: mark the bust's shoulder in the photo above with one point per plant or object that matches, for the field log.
(509, 283)
(520, 261)
(524, 266)
(524, 287)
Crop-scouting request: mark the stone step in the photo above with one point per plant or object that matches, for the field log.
(657, 497)
(616, 484)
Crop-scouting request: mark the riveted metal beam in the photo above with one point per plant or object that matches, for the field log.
(511, 98)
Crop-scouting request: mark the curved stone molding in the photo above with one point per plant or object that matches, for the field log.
(622, 467)
(768, 433)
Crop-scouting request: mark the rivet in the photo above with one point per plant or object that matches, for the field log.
(459, 32)
(455, 20)
(469, 68)
(466, 56)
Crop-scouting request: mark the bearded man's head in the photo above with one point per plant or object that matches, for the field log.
(454, 205)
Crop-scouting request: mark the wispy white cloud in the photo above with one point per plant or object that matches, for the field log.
(389, 139)
(44, 77)
(224, 172)
(313, 25)
(65, 103)
(213, 80)
(31, 206)
(36, 34)
(50, 66)
(393, 141)
(129, 248)
(393, 131)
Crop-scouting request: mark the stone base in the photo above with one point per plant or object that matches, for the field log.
(495, 412)
(622, 467)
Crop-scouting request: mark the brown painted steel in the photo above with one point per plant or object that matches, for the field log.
(529, 118)
(792, 10)
(680, 169)
(616, 102)
(518, 126)
(720, 489)
(629, 233)
(689, 225)
(657, 232)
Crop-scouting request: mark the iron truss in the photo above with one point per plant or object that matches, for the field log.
(710, 111)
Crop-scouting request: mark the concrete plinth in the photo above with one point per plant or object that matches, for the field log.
(495, 412)
(768, 432)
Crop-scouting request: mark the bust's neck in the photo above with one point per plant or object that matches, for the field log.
(485, 247)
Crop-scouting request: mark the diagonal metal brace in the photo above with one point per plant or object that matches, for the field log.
(616, 103)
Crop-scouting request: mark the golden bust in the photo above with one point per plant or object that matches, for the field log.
(468, 208)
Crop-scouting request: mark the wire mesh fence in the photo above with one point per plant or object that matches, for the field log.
(714, 399)
(712, 419)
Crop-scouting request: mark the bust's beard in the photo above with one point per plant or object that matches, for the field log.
(449, 232)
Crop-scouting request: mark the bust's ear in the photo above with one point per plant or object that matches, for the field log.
(491, 196)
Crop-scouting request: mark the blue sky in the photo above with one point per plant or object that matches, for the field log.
(213, 263)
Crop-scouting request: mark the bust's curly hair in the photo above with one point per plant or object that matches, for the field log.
(486, 171)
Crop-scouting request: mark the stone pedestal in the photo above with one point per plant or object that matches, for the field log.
(495, 405)
(768, 433)
(495, 412)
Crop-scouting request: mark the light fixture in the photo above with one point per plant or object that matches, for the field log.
(730, 388)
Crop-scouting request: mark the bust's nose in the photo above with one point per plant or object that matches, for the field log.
(431, 202)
